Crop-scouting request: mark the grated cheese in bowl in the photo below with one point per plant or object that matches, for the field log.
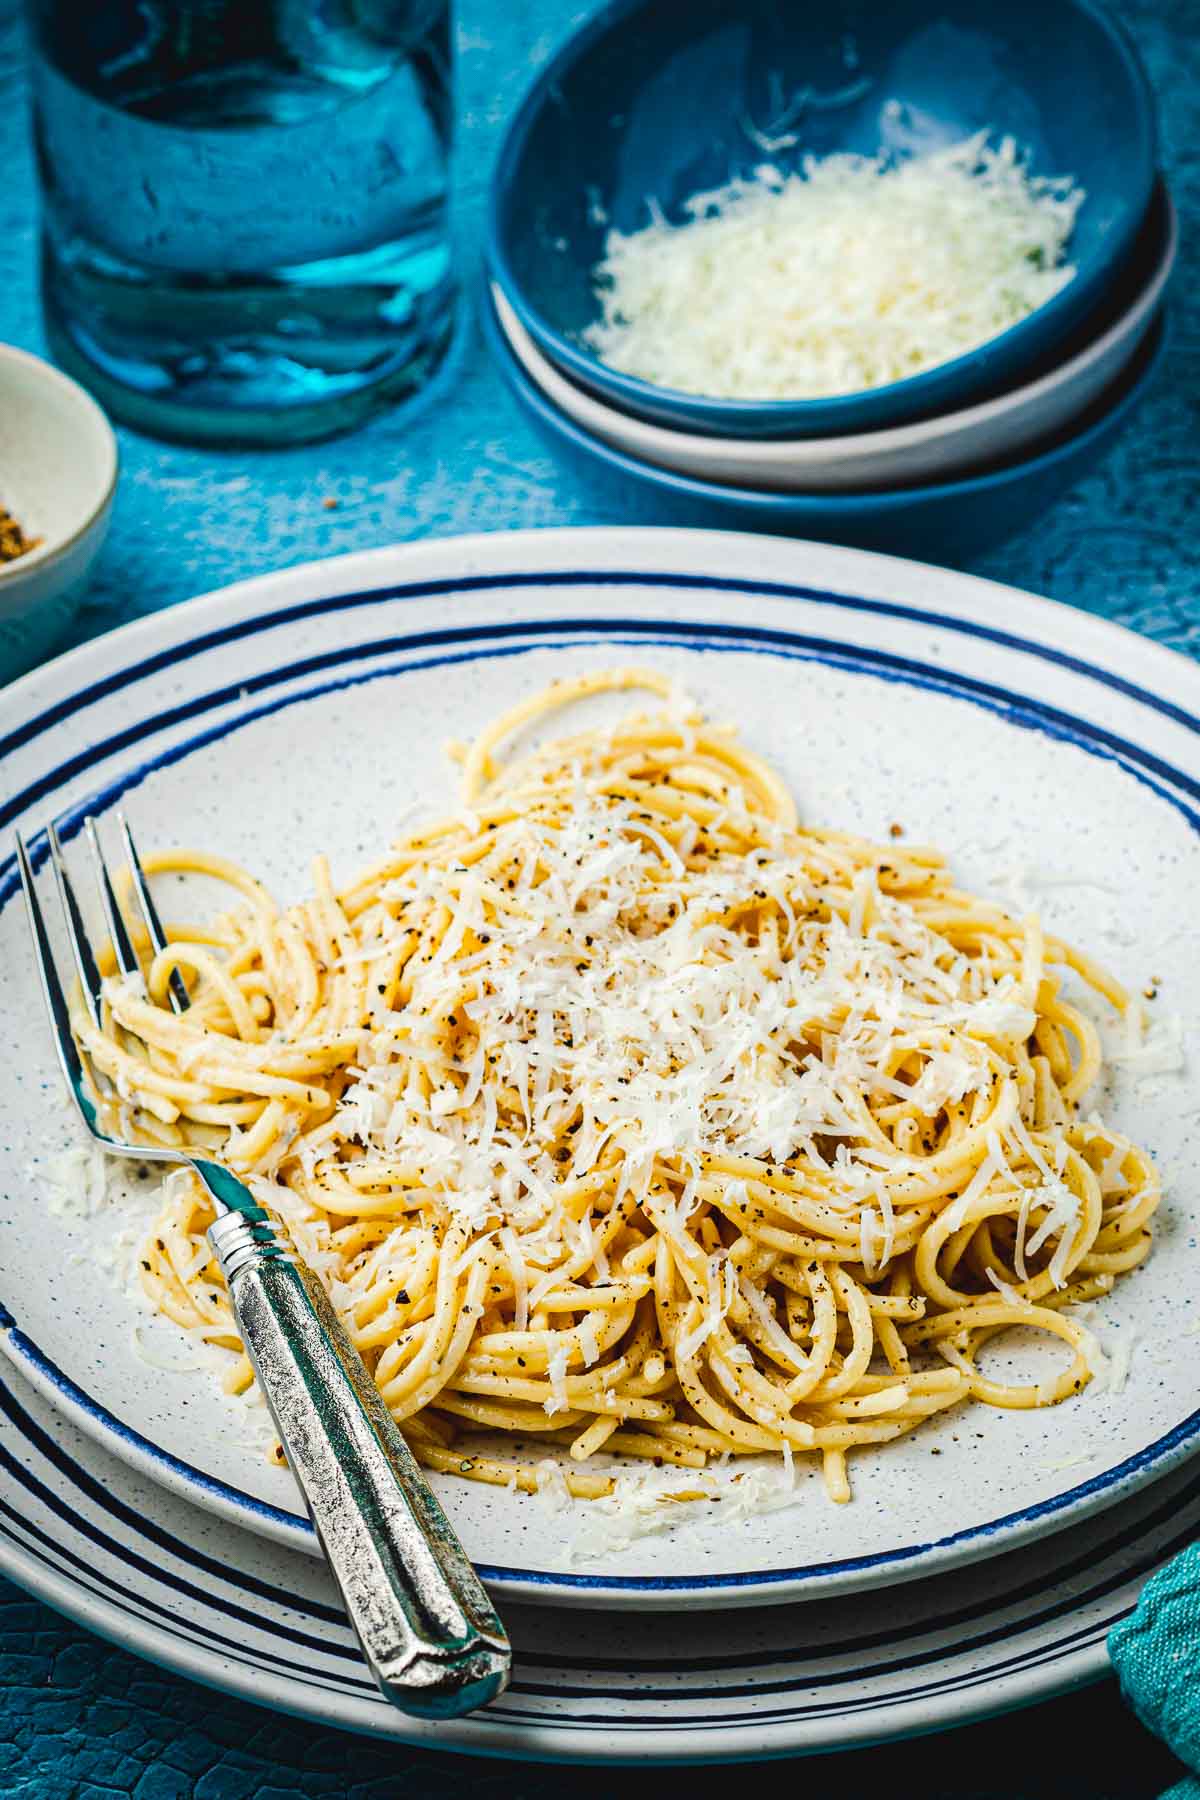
(855, 272)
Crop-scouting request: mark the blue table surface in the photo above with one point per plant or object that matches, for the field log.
(80, 1719)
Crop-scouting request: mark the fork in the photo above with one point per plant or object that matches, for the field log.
(428, 1632)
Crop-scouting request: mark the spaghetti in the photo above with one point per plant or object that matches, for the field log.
(620, 1112)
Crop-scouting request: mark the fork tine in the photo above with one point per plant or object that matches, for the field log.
(52, 993)
(81, 949)
(123, 949)
(176, 986)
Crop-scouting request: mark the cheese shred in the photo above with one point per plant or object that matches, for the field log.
(852, 273)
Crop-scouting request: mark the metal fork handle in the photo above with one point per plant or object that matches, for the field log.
(427, 1629)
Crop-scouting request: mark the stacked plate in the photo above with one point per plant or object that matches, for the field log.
(647, 105)
(134, 1496)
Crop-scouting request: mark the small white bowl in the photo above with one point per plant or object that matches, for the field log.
(58, 474)
(931, 450)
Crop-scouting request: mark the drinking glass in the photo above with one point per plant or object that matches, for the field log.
(245, 235)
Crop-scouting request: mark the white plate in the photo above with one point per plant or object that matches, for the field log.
(931, 450)
(307, 709)
(159, 1577)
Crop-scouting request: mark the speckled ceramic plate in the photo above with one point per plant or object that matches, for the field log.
(123, 1556)
(1053, 755)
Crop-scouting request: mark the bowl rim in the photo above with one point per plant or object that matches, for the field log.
(48, 553)
(798, 504)
(639, 394)
(767, 455)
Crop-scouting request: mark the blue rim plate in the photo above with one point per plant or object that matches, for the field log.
(336, 682)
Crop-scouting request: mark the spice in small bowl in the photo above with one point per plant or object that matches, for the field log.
(13, 542)
(58, 475)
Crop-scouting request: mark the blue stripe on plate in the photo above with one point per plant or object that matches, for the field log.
(156, 1571)
(51, 1553)
(127, 1516)
(574, 578)
(137, 1605)
(796, 1656)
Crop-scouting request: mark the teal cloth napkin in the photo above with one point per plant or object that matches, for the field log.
(1156, 1655)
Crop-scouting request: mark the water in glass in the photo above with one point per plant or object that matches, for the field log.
(245, 207)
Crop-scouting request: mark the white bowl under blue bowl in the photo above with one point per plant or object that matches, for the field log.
(654, 101)
(945, 523)
(58, 475)
(1012, 423)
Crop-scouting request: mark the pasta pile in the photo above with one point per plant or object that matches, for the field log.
(620, 1112)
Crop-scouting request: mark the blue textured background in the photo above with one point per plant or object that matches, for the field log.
(79, 1719)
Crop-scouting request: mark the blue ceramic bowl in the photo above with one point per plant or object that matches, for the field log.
(653, 99)
(947, 523)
